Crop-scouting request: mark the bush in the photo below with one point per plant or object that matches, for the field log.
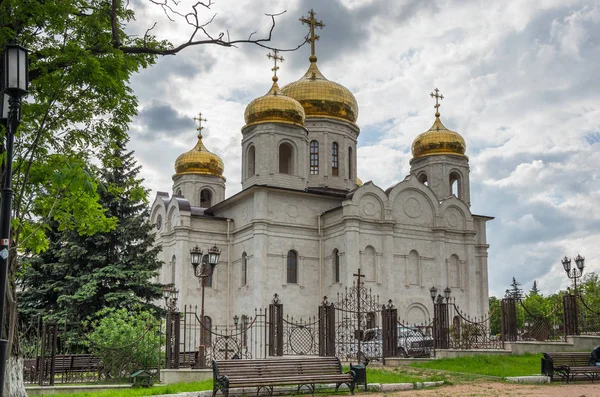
(125, 342)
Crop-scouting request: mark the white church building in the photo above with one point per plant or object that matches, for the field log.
(303, 223)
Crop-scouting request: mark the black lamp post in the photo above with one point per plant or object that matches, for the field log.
(170, 293)
(202, 272)
(15, 84)
(575, 272)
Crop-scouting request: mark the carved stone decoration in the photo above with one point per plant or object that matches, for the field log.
(292, 211)
(245, 214)
(412, 207)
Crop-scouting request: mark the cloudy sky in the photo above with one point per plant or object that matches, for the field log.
(520, 85)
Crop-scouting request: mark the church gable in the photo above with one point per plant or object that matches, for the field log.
(413, 206)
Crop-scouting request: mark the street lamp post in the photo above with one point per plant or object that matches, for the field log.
(170, 293)
(575, 272)
(15, 83)
(570, 303)
(202, 272)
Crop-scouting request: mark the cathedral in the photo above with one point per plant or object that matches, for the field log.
(304, 224)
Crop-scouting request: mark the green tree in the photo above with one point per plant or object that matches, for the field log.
(590, 291)
(515, 290)
(534, 289)
(81, 60)
(496, 316)
(79, 275)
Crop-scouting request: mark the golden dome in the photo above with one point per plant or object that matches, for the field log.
(274, 107)
(438, 140)
(320, 97)
(199, 161)
(359, 182)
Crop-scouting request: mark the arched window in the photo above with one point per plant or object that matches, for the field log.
(244, 330)
(455, 187)
(285, 158)
(244, 269)
(335, 259)
(350, 171)
(205, 198)
(334, 160)
(371, 320)
(173, 268)
(413, 270)
(423, 179)
(314, 158)
(454, 272)
(292, 267)
(207, 330)
(178, 193)
(369, 264)
(251, 161)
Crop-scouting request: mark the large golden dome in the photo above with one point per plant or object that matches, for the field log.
(438, 140)
(274, 107)
(320, 97)
(199, 161)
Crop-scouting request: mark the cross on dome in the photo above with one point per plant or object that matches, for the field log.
(437, 97)
(275, 58)
(199, 119)
(312, 22)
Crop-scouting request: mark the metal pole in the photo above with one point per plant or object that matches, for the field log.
(5, 215)
(201, 355)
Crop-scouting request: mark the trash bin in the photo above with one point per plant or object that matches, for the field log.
(360, 371)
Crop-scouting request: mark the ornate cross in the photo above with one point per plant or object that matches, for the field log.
(199, 119)
(275, 58)
(358, 276)
(437, 97)
(312, 22)
(226, 350)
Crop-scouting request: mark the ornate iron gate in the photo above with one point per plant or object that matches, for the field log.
(276, 327)
(326, 328)
(389, 330)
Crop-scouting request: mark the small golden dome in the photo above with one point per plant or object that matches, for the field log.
(359, 182)
(438, 140)
(274, 107)
(199, 161)
(321, 97)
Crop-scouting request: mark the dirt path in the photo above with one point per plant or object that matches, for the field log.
(499, 389)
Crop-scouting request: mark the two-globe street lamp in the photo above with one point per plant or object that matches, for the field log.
(440, 317)
(14, 86)
(574, 272)
(204, 266)
(170, 293)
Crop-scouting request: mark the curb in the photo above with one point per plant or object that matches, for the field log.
(374, 387)
(528, 379)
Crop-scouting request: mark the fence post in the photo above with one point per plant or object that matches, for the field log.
(440, 323)
(172, 336)
(389, 330)
(275, 327)
(571, 314)
(508, 320)
(326, 328)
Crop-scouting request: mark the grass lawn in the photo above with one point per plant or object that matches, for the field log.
(501, 366)
(374, 375)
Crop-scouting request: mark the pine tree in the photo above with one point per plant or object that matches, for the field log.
(534, 289)
(515, 291)
(79, 275)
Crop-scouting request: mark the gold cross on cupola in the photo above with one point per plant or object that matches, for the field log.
(438, 97)
(199, 119)
(313, 23)
(275, 58)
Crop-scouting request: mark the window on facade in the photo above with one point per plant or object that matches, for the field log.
(455, 184)
(244, 268)
(244, 330)
(350, 173)
(423, 179)
(292, 267)
(285, 158)
(251, 161)
(413, 268)
(369, 263)
(207, 330)
(371, 320)
(334, 159)
(173, 268)
(335, 257)
(314, 158)
(454, 272)
(178, 193)
(205, 198)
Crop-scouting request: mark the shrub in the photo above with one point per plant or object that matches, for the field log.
(125, 341)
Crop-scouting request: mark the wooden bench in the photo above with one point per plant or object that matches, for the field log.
(568, 365)
(266, 373)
